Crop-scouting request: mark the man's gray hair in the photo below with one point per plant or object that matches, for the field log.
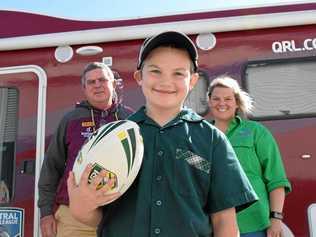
(93, 66)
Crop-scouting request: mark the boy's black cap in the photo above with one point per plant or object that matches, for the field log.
(178, 39)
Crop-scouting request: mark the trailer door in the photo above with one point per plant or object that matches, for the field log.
(22, 125)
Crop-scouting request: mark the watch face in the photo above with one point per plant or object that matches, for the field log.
(276, 215)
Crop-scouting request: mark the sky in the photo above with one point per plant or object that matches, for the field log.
(126, 9)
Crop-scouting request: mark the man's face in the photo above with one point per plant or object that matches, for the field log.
(99, 88)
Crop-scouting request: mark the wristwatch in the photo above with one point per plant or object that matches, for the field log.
(276, 215)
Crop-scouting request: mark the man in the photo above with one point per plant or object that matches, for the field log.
(101, 106)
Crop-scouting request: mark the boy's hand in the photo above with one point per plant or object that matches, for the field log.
(85, 198)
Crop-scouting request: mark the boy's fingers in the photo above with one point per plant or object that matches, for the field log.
(71, 181)
(85, 175)
(107, 187)
(110, 183)
(100, 178)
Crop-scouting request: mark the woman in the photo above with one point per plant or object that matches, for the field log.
(258, 154)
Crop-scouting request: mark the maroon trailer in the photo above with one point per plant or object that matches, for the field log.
(270, 50)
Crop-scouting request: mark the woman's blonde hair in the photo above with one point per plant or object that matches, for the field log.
(243, 100)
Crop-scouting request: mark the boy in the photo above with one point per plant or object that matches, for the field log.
(189, 173)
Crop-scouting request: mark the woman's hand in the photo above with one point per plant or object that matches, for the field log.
(275, 229)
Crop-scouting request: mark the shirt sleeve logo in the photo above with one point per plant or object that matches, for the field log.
(87, 133)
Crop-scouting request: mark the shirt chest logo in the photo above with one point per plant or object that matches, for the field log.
(87, 124)
(87, 132)
(245, 133)
(194, 160)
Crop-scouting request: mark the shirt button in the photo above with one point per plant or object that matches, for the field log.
(158, 178)
(160, 153)
(158, 203)
(157, 231)
(161, 131)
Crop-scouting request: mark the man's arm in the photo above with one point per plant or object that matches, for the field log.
(224, 223)
(85, 200)
(52, 169)
(51, 172)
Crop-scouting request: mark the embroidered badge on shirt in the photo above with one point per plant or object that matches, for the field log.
(194, 160)
(87, 133)
(87, 124)
(245, 133)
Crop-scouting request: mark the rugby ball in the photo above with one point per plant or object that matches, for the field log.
(116, 147)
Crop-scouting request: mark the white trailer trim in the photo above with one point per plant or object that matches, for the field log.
(311, 212)
(40, 129)
(248, 22)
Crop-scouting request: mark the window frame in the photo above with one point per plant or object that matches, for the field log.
(206, 80)
(14, 167)
(245, 85)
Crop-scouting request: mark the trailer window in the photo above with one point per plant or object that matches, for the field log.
(282, 89)
(197, 98)
(8, 128)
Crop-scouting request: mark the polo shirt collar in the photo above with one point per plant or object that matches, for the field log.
(139, 115)
(185, 114)
(233, 124)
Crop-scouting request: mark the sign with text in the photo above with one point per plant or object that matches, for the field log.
(11, 222)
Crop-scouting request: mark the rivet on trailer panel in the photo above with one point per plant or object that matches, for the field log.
(206, 41)
(64, 53)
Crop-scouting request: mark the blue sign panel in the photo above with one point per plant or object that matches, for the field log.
(11, 222)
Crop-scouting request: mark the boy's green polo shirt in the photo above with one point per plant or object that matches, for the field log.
(260, 158)
(189, 171)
